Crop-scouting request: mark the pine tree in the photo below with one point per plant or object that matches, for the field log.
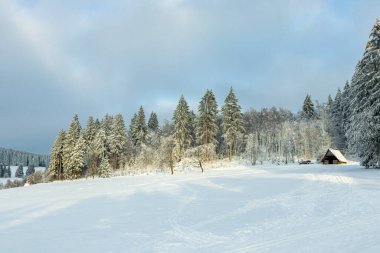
(132, 129)
(19, 172)
(346, 112)
(117, 141)
(55, 170)
(153, 122)
(182, 127)
(106, 124)
(308, 111)
(30, 170)
(337, 120)
(76, 163)
(138, 127)
(91, 130)
(100, 144)
(104, 168)
(71, 140)
(1, 171)
(363, 128)
(330, 103)
(232, 120)
(206, 126)
(7, 172)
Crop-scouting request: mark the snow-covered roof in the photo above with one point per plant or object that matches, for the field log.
(337, 154)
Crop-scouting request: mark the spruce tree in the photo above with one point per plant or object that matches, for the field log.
(69, 146)
(337, 120)
(363, 128)
(132, 129)
(55, 170)
(91, 130)
(153, 122)
(139, 128)
(19, 172)
(104, 168)
(106, 124)
(1, 171)
(206, 126)
(346, 112)
(76, 163)
(100, 144)
(193, 119)
(117, 141)
(308, 111)
(182, 127)
(30, 170)
(7, 172)
(233, 124)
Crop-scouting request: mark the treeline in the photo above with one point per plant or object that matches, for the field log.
(14, 158)
(279, 136)
(5, 171)
(356, 110)
(350, 122)
(105, 146)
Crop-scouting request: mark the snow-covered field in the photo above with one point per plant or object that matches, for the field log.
(298, 208)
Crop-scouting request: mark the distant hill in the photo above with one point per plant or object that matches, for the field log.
(14, 157)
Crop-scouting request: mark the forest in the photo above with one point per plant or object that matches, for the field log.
(14, 157)
(349, 122)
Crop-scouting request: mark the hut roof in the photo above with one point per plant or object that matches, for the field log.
(335, 153)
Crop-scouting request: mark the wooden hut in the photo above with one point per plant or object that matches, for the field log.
(333, 156)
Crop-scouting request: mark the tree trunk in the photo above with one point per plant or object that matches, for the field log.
(200, 164)
(230, 152)
(60, 169)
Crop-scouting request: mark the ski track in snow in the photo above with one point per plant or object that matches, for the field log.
(294, 208)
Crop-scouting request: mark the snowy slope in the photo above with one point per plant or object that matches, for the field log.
(307, 208)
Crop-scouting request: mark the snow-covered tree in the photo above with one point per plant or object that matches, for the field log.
(75, 164)
(363, 128)
(91, 130)
(308, 110)
(166, 153)
(153, 122)
(71, 139)
(337, 122)
(30, 170)
(139, 128)
(19, 172)
(117, 141)
(252, 148)
(100, 144)
(55, 170)
(206, 123)
(105, 169)
(106, 124)
(233, 125)
(7, 172)
(182, 127)
(201, 154)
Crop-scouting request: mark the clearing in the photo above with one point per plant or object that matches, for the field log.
(237, 208)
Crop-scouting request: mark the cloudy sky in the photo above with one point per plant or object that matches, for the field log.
(90, 57)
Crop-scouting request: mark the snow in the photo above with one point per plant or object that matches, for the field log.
(237, 208)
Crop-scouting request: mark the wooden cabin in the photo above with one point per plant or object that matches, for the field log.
(333, 156)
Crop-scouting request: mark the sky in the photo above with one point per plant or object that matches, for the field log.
(92, 57)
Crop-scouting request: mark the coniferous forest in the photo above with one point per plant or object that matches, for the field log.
(348, 122)
(14, 157)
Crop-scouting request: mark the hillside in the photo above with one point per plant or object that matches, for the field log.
(307, 208)
(14, 157)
